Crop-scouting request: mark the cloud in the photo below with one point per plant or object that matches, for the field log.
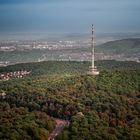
(22, 1)
(58, 14)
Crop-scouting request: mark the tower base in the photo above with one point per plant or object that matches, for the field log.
(93, 71)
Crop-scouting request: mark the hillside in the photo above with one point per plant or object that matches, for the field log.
(125, 49)
(121, 46)
(69, 67)
(105, 107)
(128, 47)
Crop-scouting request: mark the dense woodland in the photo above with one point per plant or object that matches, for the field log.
(105, 107)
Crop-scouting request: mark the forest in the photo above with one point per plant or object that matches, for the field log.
(105, 107)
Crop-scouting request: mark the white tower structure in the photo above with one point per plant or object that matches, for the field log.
(93, 69)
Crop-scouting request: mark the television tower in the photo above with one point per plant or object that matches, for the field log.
(93, 69)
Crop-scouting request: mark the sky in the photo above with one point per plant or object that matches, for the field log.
(69, 16)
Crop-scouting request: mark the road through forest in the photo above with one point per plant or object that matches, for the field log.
(60, 124)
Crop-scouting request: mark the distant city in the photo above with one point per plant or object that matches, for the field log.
(68, 48)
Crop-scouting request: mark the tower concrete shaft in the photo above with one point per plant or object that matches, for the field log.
(92, 45)
(93, 69)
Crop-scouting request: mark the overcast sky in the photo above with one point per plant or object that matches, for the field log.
(69, 16)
